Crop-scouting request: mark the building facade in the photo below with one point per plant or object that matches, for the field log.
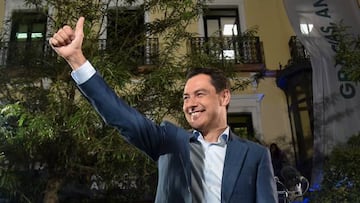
(268, 110)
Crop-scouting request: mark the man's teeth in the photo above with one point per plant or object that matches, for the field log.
(194, 115)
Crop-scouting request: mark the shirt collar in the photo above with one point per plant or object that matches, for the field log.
(223, 138)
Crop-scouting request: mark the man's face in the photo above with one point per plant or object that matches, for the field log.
(204, 109)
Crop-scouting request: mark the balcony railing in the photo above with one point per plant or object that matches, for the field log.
(20, 54)
(25, 54)
(297, 51)
(148, 54)
(242, 50)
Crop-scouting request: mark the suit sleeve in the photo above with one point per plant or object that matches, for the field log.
(133, 126)
(266, 186)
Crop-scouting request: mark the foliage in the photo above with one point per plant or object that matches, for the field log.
(348, 51)
(53, 145)
(341, 178)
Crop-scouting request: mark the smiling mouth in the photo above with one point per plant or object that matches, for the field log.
(195, 114)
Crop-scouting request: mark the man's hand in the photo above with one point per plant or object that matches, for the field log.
(68, 44)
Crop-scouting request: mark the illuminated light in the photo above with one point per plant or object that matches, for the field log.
(306, 28)
(36, 35)
(230, 30)
(21, 35)
(24, 35)
(228, 54)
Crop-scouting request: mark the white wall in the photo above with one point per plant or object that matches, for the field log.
(249, 103)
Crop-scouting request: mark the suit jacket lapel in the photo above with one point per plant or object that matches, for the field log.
(234, 161)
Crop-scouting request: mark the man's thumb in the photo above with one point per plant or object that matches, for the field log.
(79, 26)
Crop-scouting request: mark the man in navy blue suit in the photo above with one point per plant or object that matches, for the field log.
(208, 165)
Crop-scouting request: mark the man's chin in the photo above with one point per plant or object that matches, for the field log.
(196, 126)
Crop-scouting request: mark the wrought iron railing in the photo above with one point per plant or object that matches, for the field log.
(297, 51)
(240, 49)
(24, 54)
(147, 54)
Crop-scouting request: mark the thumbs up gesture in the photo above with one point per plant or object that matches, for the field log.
(67, 43)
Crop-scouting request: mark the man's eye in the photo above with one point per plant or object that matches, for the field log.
(185, 97)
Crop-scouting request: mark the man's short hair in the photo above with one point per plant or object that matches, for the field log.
(218, 77)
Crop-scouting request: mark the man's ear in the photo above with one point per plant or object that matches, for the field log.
(225, 97)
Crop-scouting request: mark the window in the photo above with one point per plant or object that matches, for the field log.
(126, 35)
(223, 23)
(241, 124)
(124, 27)
(306, 28)
(27, 38)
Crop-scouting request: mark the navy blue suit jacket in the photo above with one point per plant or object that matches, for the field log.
(247, 177)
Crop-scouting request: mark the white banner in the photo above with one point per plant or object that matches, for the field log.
(336, 99)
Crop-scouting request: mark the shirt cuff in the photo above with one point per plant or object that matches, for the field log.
(83, 73)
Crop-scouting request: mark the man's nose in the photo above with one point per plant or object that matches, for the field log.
(192, 101)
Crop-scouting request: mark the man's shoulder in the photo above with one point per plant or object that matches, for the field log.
(255, 145)
(173, 129)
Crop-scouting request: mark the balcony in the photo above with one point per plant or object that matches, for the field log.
(298, 68)
(23, 54)
(34, 54)
(245, 52)
(298, 52)
(148, 53)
